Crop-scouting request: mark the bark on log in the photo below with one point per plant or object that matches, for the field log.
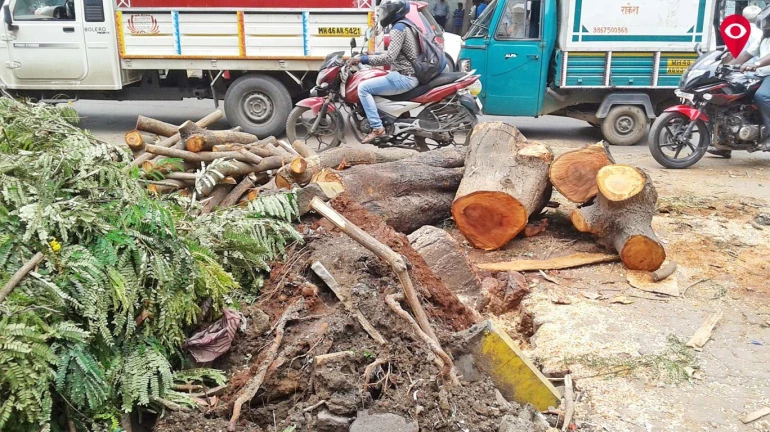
(136, 140)
(173, 140)
(243, 187)
(302, 169)
(236, 169)
(622, 221)
(218, 195)
(156, 127)
(408, 193)
(197, 139)
(573, 174)
(505, 182)
(187, 156)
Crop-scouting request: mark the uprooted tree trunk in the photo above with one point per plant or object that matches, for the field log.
(408, 193)
(573, 174)
(304, 167)
(505, 182)
(197, 139)
(621, 217)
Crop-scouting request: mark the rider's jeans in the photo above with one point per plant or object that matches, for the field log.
(387, 85)
(762, 97)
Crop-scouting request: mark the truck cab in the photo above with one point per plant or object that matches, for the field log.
(611, 63)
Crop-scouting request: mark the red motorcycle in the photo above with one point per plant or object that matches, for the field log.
(445, 108)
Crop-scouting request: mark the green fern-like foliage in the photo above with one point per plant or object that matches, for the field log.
(97, 328)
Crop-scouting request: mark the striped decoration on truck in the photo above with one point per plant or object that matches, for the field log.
(622, 69)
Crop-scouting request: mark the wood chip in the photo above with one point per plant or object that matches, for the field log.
(643, 281)
(591, 295)
(549, 278)
(561, 301)
(570, 261)
(756, 415)
(704, 332)
(622, 300)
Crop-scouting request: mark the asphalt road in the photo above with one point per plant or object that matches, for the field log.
(746, 175)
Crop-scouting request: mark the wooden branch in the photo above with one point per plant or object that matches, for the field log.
(174, 139)
(396, 261)
(448, 371)
(756, 415)
(219, 193)
(663, 272)
(569, 402)
(284, 145)
(327, 277)
(197, 139)
(569, 261)
(19, 275)
(243, 187)
(187, 156)
(173, 406)
(166, 186)
(303, 150)
(703, 334)
(181, 176)
(252, 387)
(237, 169)
(156, 127)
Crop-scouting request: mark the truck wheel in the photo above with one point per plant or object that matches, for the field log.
(625, 125)
(259, 104)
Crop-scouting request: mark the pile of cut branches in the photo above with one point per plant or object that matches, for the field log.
(102, 281)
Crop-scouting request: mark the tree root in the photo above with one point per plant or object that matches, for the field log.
(448, 370)
(252, 387)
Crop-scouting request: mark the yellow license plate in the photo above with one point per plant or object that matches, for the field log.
(339, 31)
(678, 66)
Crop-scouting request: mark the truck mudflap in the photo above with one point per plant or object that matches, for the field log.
(315, 104)
(692, 113)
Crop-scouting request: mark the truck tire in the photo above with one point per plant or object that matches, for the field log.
(259, 104)
(625, 125)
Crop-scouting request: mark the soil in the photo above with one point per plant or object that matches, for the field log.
(405, 384)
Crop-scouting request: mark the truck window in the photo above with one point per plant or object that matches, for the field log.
(45, 10)
(480, 27)
(94, 11)
(520, 20)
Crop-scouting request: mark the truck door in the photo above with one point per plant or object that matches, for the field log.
(45, 40)
(515, 60)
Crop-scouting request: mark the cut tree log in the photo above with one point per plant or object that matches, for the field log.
(569, 261)
(197, 139)
(622, 218)
(155, 127)
(243, 187)
(166, 186)
(136, 140)
(573, 174)
(505, 182)
(187, 156)
(174, 139)
(302, 168)
(408, 193)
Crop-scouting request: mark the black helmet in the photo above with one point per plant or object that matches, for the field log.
(392, 11)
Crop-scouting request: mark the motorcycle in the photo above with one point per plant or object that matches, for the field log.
(719, 111)
(447, 108)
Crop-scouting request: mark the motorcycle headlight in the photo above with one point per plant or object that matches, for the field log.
(475, 88)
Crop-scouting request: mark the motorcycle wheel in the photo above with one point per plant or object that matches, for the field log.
(300, 122)
(668, 145)
(460, 137)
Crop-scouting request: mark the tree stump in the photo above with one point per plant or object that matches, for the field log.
(621, 217)
(573, 174)
(505, 182)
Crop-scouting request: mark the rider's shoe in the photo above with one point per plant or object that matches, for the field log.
(373, 135)
(727, 154)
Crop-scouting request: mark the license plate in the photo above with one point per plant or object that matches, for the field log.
(339, 31)
(677, 66)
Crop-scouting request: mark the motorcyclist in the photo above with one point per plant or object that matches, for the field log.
(401, 54)
(761, 50)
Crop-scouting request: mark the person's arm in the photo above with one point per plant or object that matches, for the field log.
(764, 61)
(747, 55)
(397, 37)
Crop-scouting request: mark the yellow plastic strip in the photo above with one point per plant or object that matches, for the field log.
(241, 35)
(119, 29)
(370, 22)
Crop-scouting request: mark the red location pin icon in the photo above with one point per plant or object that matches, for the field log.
(736, 31)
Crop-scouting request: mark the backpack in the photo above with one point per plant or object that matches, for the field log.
(430, 61)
